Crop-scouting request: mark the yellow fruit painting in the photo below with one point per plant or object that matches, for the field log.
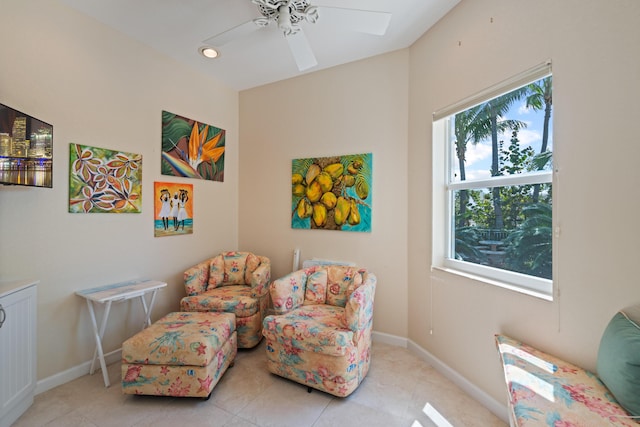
(332, 193)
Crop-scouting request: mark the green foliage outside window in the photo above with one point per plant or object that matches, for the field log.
(505, 226)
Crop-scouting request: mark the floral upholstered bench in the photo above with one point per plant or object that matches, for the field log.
(547, 391)
(182, 354)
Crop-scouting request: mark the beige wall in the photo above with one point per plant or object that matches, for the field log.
(596, 76)
(99, 88)
(360, 107)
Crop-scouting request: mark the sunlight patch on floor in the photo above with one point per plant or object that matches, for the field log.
(434, 415)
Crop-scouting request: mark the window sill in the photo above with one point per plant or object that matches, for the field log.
(500, 284)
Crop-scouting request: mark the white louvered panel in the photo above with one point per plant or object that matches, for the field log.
(17, 352)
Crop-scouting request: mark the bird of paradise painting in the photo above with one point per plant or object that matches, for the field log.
(173, 209)
(192, 149)
(102, 180)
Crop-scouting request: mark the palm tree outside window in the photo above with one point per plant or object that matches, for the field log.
(497, 187)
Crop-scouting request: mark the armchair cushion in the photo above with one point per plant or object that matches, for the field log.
(233, 282)
(235, 299)
(314, 328)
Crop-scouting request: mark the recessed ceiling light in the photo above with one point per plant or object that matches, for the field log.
(209, 52)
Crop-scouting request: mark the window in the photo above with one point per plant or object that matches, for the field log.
(493, 170)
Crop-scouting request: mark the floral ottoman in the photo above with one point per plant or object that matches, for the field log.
(182, 354)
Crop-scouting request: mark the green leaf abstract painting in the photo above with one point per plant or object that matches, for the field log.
(102, 180)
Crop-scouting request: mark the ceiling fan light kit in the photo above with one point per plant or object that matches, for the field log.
(289, 14)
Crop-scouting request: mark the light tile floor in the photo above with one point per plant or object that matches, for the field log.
(394, 393)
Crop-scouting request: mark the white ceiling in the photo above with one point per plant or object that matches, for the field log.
(177, 28)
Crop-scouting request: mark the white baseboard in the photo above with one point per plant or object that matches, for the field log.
(498, 409)
(389, 339)
(75, 372)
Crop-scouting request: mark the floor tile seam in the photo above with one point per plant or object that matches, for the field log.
(243, 407)
(61, 417)
(275, 385)
(238, 416)
(226, 411)
(323, 411)
(395, 410)
(406, 416)
(234, 413)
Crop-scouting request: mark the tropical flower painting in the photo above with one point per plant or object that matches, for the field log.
(173, 213)
(332, 193)
(104, 181)
(192, 149)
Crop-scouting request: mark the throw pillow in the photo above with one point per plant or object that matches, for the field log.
(252, 263)
(216, 272)
(287, 292)
(618, 362)
(234, 266)
(316, 289)
(339, 280)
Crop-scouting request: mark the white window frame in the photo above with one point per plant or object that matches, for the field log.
(443, 190)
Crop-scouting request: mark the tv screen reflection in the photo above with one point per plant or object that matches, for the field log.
(26, 149)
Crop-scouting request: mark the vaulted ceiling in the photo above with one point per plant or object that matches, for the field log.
(254, 55)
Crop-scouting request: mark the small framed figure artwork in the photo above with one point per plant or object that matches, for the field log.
(173, 213)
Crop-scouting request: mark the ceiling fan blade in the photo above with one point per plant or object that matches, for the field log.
(301, 50)
(225, 37)
(364, 21)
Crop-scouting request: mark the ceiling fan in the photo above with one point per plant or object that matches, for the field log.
(287, 15)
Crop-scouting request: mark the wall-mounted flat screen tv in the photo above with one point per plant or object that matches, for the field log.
(26, 149)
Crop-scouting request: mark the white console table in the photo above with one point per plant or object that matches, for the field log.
(109, 294)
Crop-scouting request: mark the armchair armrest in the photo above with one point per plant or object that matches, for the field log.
(287, 293)
(196, 278)
(359, 308)
(260, 278)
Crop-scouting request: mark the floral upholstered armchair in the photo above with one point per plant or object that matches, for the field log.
(320, 335)
(232, 282)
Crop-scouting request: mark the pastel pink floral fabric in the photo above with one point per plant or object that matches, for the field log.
(182, 354)
(321, 334)
(547, 391)
(231, 282)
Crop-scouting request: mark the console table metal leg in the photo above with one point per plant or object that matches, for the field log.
(98, 352)
(147, 309)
